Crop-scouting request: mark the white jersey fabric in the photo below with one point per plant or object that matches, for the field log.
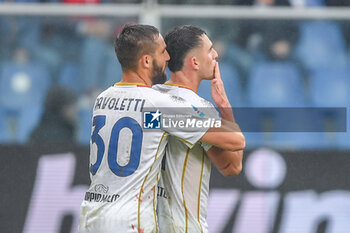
(184, 183)
(125, 159)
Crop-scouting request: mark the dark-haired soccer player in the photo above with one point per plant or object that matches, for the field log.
(187, 170)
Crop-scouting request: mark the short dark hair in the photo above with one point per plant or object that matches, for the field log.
(133, 41)
(179, 42)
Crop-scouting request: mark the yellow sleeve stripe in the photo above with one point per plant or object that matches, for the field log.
(184, 141)
(182, 188)
(154, 203)
(199, 192)
(143, 183)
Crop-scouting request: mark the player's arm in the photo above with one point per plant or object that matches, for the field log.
(227, 137)
(229, 163)
(219, 96)
(226, 152)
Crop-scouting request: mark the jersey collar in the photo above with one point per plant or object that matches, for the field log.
(131, 84)
(178, 85)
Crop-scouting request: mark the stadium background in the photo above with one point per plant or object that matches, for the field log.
(295, 56)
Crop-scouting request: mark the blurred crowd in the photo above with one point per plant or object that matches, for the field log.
(52, 68)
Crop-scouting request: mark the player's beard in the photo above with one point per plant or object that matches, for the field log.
(158, 74)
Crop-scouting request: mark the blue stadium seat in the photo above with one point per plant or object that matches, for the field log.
(314, 3)
(331, 88)
(275, 84)
(91, 59)
(113, 70)
(232, 84)
(321, 44)
(84, 125)
(298, 140)
(70, 77)
(23, 89)
(23, 85)
(100, 67)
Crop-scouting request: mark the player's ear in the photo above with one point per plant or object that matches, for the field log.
(194, 63)
(146, 61)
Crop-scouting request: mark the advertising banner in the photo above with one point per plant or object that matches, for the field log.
(277, 191)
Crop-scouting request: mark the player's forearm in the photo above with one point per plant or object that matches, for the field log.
(228, 163)
(225, 107)
(225, 138)
(227, 113)
(231, 125)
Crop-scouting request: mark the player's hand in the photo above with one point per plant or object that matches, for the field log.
(218, 90)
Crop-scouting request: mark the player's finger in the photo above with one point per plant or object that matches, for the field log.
(217, 71)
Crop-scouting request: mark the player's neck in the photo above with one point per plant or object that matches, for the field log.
(186, 80)
(135, 77)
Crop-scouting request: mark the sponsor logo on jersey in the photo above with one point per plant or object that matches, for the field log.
(100, 188)
(201, 114)
(98, 197)
(152, 120)
(177, 99)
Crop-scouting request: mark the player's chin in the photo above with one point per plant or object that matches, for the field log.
(209, 77)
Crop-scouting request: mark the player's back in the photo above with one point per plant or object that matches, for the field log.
(124, 164)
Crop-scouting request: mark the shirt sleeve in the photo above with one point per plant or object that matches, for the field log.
(205, 146)
(182, 119)
(211, 112)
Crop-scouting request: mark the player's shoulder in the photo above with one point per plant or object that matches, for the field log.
(196, 99)
(166, 96)
(177, 92)
(160, 87)
(205, 103)
(165, 89)
(105, 92)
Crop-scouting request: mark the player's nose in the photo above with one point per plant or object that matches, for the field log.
(215, 55)
(167, 56)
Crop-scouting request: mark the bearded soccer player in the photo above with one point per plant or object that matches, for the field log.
(186, 172)
(125, 155)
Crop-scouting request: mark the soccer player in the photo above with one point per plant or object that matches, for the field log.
(186, 172)
(125, 156)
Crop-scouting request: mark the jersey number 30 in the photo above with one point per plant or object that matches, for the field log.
(136, 143)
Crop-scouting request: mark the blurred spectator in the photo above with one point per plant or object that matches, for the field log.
(20, 31)
(279, 39)
(100, 67)
(23, 87)
(57, 124)
(98, 63)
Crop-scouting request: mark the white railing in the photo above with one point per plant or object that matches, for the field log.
(177, 11)
(151, 13)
